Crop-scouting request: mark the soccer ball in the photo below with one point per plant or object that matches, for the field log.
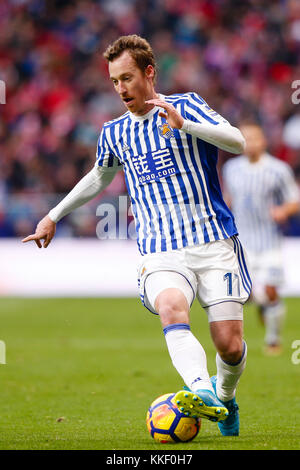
(166, 423)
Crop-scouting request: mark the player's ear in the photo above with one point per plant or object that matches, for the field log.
(150, 72)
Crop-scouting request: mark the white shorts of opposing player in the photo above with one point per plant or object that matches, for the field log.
(266, 269)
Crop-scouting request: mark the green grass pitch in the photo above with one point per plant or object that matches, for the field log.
(81, 373)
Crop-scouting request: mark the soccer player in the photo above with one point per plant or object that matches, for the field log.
(168, 149)
(263, 194)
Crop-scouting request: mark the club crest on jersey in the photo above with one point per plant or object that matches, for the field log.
(165, 131)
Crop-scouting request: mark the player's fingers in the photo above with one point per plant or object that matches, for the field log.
(160, 103)
(33, 237)
(29, 238)
(163, 115)
(38, 243)
(153, 100)
(47, 241)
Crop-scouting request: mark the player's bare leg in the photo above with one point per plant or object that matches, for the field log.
(231, 360)
(227, 336)
(273, 315)
(271, 311)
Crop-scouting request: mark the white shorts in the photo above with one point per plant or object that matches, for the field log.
(266, 268)
(215, 272)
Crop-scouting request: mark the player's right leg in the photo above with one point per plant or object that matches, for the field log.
(268, 277)
(230, 360)
(224, 286)
(170, 295)
(272, 315)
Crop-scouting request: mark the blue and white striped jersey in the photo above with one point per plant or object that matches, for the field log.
(253, 189)
(171, 176)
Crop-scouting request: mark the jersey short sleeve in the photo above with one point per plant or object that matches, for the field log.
(105, 158)
(197, 110)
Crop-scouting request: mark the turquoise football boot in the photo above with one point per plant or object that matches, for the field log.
(200, 404)
(231, 425)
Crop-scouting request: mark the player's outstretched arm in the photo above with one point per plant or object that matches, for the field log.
(289, 189)
(280, 214)
(87, 188)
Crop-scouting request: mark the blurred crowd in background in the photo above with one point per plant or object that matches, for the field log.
(241, 56)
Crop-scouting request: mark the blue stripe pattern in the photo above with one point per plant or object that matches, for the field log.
(171, 177)
(245, 276)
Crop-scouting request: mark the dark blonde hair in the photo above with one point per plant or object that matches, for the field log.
(138, 47)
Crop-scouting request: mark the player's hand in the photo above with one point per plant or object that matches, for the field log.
(45, 230)
(279, 214)
(170, 113)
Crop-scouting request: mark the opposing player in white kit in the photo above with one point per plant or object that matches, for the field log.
(167, 147)
(263, 194)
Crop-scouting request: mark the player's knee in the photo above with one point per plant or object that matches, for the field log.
(271, 293)
(264, 295)
(231, 350)
(172, 307)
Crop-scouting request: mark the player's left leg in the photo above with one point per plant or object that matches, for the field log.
(273, 315)
(231, 357)
(268, 277)
(222, 291)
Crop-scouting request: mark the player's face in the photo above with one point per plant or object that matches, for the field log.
(255, 141)
(132, 84)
